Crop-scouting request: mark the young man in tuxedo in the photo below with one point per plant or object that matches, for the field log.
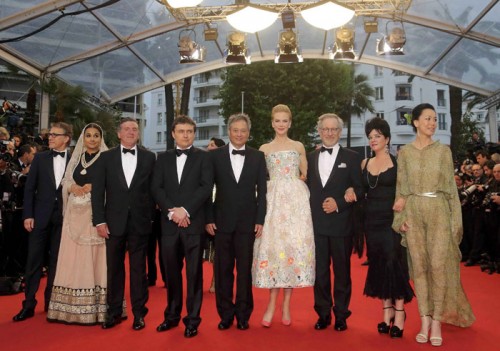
(331, 171)
(182, 182)
(236, 218)
(122, 208)
(42, 215)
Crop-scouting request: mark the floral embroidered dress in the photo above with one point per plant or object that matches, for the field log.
(284, 254)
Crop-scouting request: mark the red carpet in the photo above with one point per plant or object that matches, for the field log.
(481, 288)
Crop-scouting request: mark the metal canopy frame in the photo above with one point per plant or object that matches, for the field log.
(127, 44)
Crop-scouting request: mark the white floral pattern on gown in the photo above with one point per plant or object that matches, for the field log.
(284, 254)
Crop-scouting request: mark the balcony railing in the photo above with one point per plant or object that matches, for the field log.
(401, 121)
(441, 102)
(404, 97)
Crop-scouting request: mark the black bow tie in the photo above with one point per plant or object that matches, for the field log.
(329, 150)
(179, 152)
(57, 153)
(132, 151)
(238, 152)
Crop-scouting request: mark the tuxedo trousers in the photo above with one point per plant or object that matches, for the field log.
(234, 249)
(175, 248)
(336, 251)
(41, 240)
(137, 246)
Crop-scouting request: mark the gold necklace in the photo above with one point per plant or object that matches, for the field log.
(86, 164)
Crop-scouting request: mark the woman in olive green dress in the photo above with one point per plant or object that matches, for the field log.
(428, 215)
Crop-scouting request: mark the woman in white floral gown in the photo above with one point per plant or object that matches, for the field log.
(284, 254)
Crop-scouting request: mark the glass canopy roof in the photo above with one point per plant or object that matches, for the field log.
(117, 49)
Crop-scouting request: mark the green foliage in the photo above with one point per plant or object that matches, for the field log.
(468, 126)
(310, 89)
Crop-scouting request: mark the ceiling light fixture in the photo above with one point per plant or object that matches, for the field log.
(252, 18)
(394, 41)
(288, 50)
(327, 14)
(189, 50)
(343, 48)
(237, 51)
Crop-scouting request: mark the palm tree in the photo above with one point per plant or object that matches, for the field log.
(359, 100)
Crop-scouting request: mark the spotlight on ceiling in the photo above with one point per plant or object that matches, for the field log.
(288, 50)
(288, 18)
(189, 50)
(394, 41)
(343, 48)
(327, 14)
(211, 33)
(237, 51)
(183, 3)
(252, 18)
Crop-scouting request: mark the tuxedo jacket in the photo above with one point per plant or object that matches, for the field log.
(191, 193)
(113, 201)
(346, 172)
(238, 206)
(41, 194)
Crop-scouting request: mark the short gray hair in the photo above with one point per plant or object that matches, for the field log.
(321, 118)
(239, 117)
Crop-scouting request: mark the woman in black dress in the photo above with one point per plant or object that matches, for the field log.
(387, 277)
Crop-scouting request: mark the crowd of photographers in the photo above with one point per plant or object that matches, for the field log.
(478, 182)
(16, 154)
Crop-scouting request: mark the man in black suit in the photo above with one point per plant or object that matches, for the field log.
(331, 171)
(42, 214)
(122, 208)
(236, 218)
(182, 182)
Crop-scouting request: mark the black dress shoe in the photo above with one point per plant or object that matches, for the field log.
(242, 325)
(138, 323)
(223, 325)
(25, 313)
(166, 325)
(110, 322)
(470, 262)
(190, 332)
(340, 325)
(322, 323)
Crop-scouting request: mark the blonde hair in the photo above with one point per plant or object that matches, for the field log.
(281, 108)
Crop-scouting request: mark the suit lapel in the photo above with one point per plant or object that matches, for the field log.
(246, 162)
(138, 166)
(316, 165)
(51, 165)
(121, 174)
(188, 165)
(227, 162)
(335, 166)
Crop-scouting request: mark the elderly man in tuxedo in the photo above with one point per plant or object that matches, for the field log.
(236, 218)
(182, 182)
(42, 214)
(122, 209)
(332, 170)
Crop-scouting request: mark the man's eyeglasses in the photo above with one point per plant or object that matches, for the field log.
(330, 130)
(53, 135)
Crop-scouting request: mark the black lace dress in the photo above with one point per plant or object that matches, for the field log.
(387, 276)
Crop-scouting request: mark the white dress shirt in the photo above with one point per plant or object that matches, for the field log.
(181, 161)
(237, 161)
(326, 162)
(129, 164)
(59, 167)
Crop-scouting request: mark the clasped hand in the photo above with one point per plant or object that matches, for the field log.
(81, 190)
(179, 216)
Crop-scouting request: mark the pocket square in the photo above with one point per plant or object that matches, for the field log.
(342, 165)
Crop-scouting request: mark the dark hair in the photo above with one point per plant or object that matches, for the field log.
(490, 164)
(68, 129)
(183, 119)
(417, 112)
(483, 153)
(218, 142)
(125, 120)
(380, 125)
(95, 126)
(25, 149)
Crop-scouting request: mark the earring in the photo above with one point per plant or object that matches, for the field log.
(387, 149)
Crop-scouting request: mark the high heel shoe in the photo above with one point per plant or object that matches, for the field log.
(421, 337)
(265, 324)
(395, 332)
(383, 328)
(436, 340)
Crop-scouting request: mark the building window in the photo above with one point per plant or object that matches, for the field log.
(158, 137)
(159, 118)
(442, 121)
(401, 116)
(203, 134)
(379, 71)
(379, 93)
(203, 115)
(160, 100)
(403, 92)
(165, 136)
(381, 115)
(440, 97)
